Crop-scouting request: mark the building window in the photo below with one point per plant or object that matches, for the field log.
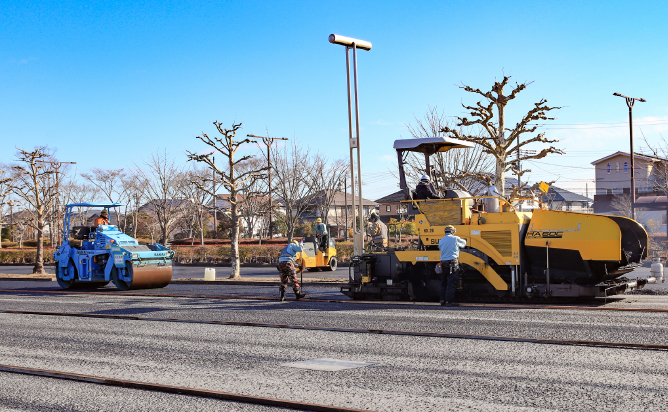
(608, 191)
(617, 167)
(626, 167)
(388, 208)
(608, 168)
(626, 190)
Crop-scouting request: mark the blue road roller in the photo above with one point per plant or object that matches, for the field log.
(107, 254)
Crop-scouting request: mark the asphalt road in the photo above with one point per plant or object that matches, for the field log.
(197, 272)
(407, 373)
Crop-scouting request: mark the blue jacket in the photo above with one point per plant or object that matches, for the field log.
(320, 229)
(289, 252)
(449, 247)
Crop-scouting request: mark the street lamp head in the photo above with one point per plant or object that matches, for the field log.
(642, 100)
(349, 41)
(617, 94)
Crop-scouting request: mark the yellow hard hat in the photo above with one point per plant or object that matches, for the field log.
(295, 242)
(319, 220)
(450, 228)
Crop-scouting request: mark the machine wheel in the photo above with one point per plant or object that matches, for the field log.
(120, 284)
(333, 264)
(66, 284)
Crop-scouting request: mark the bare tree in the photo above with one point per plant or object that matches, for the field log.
(494, 141)
(328, 178)
(161, 182)
(455, 169)
(196, 179)
(5, 190)
(231, 178)
(30, 182)
(134, 196)
(109, 182)
(254, 203)
(293, 172)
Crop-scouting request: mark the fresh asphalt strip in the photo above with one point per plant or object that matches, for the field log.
(112, 292)
(156, 387)
(601, 344)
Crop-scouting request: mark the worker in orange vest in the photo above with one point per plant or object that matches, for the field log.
(103, 219)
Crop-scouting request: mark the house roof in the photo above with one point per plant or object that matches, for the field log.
(627, 154)
(557, 194)
(339, 199)
(397, 196)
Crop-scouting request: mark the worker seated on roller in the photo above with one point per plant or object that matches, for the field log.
(321, 237)
(378, 231)
(286, 269)
(103, 219)
(424, 190)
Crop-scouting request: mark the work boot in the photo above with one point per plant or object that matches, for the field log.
(443, 303)
(282, 298)
(299, 294)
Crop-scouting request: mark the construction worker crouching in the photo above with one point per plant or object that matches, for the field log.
(378, 231)
(321, 236)
(286, 269)
(449, 247)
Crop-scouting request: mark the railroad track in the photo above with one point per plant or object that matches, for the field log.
(156, 387)
(358, 302)
(569, 342)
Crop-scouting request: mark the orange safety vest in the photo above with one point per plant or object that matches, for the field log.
(101, 221)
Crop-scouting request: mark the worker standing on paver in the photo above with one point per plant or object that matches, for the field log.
(424, 190)
(378, 231)
(449, 247)
(321, 237)
(103, 219)
(286, 269)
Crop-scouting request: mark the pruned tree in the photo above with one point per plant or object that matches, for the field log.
(30, 178)
(231, 177)
(134, 197)
(458, 169)
(494, 139)
(293, 173)
(161, 183)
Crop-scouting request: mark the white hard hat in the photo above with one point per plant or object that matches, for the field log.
(424, 178)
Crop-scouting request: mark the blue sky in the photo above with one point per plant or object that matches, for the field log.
(107, 83)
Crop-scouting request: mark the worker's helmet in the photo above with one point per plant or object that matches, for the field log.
(424, 179)
(104, 213)
(295, 242)
(319, 220)
(373, 216)
(450, 229)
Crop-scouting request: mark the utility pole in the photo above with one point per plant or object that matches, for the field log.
(215, 201)
(629, 102)
(268, 141)
(345, 197)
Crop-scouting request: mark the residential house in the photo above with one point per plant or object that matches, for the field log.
(613, 186)
(340, 213)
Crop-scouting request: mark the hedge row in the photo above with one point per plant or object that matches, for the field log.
(17, 256)
(267, 254)
(255, 254)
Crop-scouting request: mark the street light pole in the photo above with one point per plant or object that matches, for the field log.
(354, 142)
(268, 141)
(629, 102)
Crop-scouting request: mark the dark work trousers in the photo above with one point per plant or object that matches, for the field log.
(449, 279)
